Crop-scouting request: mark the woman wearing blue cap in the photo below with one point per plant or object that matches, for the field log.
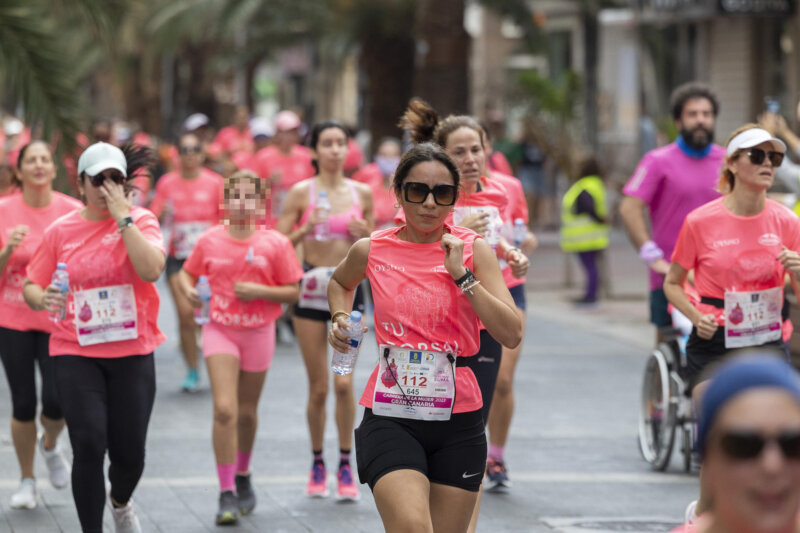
(749, 436)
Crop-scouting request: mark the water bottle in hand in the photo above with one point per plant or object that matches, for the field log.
(60, 280)
(322, 229)
(202, 313)
(520, 232)
(344, 363)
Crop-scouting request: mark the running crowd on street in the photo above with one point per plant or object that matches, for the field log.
(275, 228)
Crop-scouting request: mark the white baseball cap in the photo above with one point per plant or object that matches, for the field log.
(13, 126)
(194, 121)
(754, 137)
(286, 120)
(260, 127)
(102, 156)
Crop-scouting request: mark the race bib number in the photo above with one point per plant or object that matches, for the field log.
(314, 288)
(105, 314)
(415, 384)
(752, 318)
(184, 237)
(493, 229)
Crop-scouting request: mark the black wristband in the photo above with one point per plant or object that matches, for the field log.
(125, 222)
(465, 277)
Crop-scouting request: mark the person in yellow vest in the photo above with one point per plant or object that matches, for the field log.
(584, 225)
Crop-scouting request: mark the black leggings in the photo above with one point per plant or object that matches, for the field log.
(20, 351)
(485, 365)
(107, 405)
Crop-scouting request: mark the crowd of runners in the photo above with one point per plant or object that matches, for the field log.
(256, 231)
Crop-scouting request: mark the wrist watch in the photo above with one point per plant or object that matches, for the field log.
(124, 222)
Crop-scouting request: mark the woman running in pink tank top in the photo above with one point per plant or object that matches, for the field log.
(324, 237)
(421, 444)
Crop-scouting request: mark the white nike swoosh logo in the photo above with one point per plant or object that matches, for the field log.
(465, 475)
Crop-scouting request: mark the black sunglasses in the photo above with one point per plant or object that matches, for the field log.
(745, 445)
(417, 193)
(98, 179)
(190, 149)
(757, 156)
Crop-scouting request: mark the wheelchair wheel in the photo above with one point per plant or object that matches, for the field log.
(686, 448)
(658, 409)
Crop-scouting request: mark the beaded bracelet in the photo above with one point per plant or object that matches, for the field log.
(335, 315)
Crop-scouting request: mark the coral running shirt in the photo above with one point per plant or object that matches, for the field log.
(193, 200)
(384, 201)
(517, 208)
(417, 305)
(14, 312)
(230, 140)
(96, 257)
(267, 257)
(735, 253)
(286, 169)
(672, 184)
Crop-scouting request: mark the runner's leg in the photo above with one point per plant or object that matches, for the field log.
(186, 324)
(312, 337)
(451, 508)
(403, 501)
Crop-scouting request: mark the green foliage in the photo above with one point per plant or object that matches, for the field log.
(559, 99)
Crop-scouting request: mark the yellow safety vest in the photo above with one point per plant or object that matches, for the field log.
(582, 233)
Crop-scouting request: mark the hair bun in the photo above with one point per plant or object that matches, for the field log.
(420, 119)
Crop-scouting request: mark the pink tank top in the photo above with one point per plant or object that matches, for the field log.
(338, 221)
(417, 305)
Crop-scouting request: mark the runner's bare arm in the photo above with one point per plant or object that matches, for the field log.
(186, 283)
(39, 299)
(282, 294)
(293, 209)
(350, 272)
(673, 288)
(632, 209)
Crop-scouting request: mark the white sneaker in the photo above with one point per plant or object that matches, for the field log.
(26, 496)
(57, 466)
(689, 517)
(125, 520)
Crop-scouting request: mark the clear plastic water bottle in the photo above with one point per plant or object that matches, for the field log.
(520, 232)
(344, 363)
(322, 229)
(60, 280)
(202, 313)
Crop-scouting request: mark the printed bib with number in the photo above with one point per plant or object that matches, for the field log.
(314, 288)
(415, 384)
(752, 317)
(184, 237)
(493, 228)
(105, 314)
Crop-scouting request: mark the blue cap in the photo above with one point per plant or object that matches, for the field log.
(61, 266)
(355, 316)
(756, 370)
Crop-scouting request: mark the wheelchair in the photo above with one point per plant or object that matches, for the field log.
(666, 413)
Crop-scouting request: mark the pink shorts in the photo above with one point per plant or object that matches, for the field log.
(252, 346)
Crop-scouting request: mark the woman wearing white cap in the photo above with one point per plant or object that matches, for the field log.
(741, 247)
(103, 346)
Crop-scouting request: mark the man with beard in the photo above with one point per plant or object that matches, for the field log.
(671, 181)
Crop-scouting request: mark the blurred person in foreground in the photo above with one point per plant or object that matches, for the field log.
(749, 437)
(379, 175)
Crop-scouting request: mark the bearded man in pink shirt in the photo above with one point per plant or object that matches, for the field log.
(669, 182)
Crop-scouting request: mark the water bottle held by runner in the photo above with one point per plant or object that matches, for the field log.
(60, 280)
(344, 363)
(520, 232)
(322, 229)
(201, 314)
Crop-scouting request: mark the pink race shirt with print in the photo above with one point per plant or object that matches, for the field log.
(197, 205)
(14, 312)
(266, 257)
(96, 257)
(735, 253)
(418, 305)
(672, 184)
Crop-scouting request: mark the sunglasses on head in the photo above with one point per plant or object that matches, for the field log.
(190, 149)
(98, 179)
(757, 156)
(417, 193)
(744, 445)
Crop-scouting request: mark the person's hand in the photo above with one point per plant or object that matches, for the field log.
(119, 204)
(706, 326)
(660, 266)
(53, 299)
(529, 244)
(337, 335)
(477, 222)
(769, 122)
(518, 262)
(790, 260)
(16, 237)
(453, 255)
(357, 227)
(193, 297)
(246, 290)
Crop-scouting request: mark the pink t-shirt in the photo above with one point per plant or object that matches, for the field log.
(230, 140)
(735, 253)
(266, 257)
(499, 163)
(14, 312)
(291, 168)
(384, 201)
(517, 208)
(672, 184)
(194, 201)
(417, 305)
(96, 257)
(355, 156)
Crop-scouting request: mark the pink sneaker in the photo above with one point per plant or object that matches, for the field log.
(317, 482)
(346, 488)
